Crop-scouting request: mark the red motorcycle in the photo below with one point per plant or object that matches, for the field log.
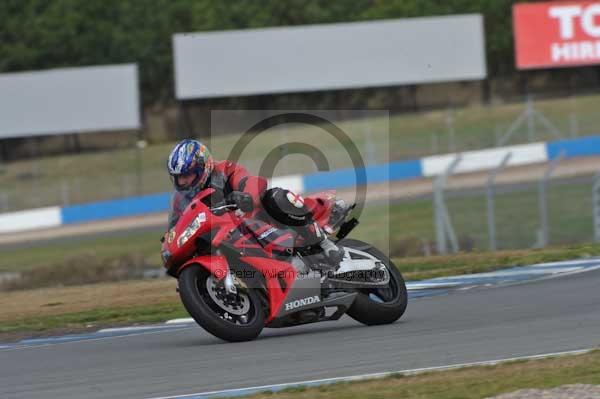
(238, 273)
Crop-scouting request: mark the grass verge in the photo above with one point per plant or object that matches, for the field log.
(50, 310)
(472, 382)
(65, 251)
(96, 318)
(421, 268)
(409, 228)
(58, 310)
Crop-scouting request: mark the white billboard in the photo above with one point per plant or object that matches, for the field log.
(331, 56)
(69, 100)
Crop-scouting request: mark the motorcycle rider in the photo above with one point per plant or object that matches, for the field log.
(192, 169)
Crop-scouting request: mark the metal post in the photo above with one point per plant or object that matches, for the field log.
(443, 224)
(490, 200)
(497, 135)
(426, 247)
(596, 206)
(512, 129)
(451, 132)
(529, 115)
(548, 125)
(438, 221)
(543, 230)
(530, 119)
(450, 229)
(371, 153)
(139, 148)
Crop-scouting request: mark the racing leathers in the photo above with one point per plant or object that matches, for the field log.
(225, 178)
(229, 178)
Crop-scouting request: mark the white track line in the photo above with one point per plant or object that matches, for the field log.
(277, 387)
(180, 321)
(455, 281)
(141, 328)
(416, 286)
(144, 330)
(577, 262)
(45, 345)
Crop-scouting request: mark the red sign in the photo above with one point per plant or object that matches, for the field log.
(556, 34)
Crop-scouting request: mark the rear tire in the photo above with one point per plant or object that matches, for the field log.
(391, 303)
(211, 316)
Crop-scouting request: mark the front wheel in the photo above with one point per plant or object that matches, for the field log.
(384, 305)
(230, 317)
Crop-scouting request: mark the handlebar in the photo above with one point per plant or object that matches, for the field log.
(223, 207)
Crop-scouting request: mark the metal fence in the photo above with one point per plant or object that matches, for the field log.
(520, 215)
(86, 177)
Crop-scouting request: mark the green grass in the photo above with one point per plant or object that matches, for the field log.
(406, 225)
(415, 268)
(518, 219)
(110, 174)
(146, 245)
(401, 228)
(98, 317)
(472, 382)
(420, 268)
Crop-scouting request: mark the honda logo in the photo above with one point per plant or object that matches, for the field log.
(302, 302)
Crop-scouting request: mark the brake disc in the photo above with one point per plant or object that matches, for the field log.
(238, 306)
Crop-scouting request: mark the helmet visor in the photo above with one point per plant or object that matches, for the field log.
(186, 181)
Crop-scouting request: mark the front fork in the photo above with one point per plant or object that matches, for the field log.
(229, 284)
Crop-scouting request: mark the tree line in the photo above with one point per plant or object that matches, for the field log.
(42, 34)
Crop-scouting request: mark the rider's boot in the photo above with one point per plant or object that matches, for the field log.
(333, 253)
(338, 214)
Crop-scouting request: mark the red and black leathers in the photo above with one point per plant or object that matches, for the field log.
(226, 177)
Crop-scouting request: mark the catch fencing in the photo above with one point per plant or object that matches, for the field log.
(140, 169)
(535, 214)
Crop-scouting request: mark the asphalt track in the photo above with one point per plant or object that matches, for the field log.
(550, 315)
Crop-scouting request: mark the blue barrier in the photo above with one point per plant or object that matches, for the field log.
(115, 208)
(584, 146)
(342, 178)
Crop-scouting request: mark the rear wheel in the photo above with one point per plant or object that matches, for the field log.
(384, 305)
(233, 318)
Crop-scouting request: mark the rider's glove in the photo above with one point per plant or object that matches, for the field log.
(243, 200)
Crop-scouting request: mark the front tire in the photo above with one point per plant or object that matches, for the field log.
(231, 319)
(374, 306)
